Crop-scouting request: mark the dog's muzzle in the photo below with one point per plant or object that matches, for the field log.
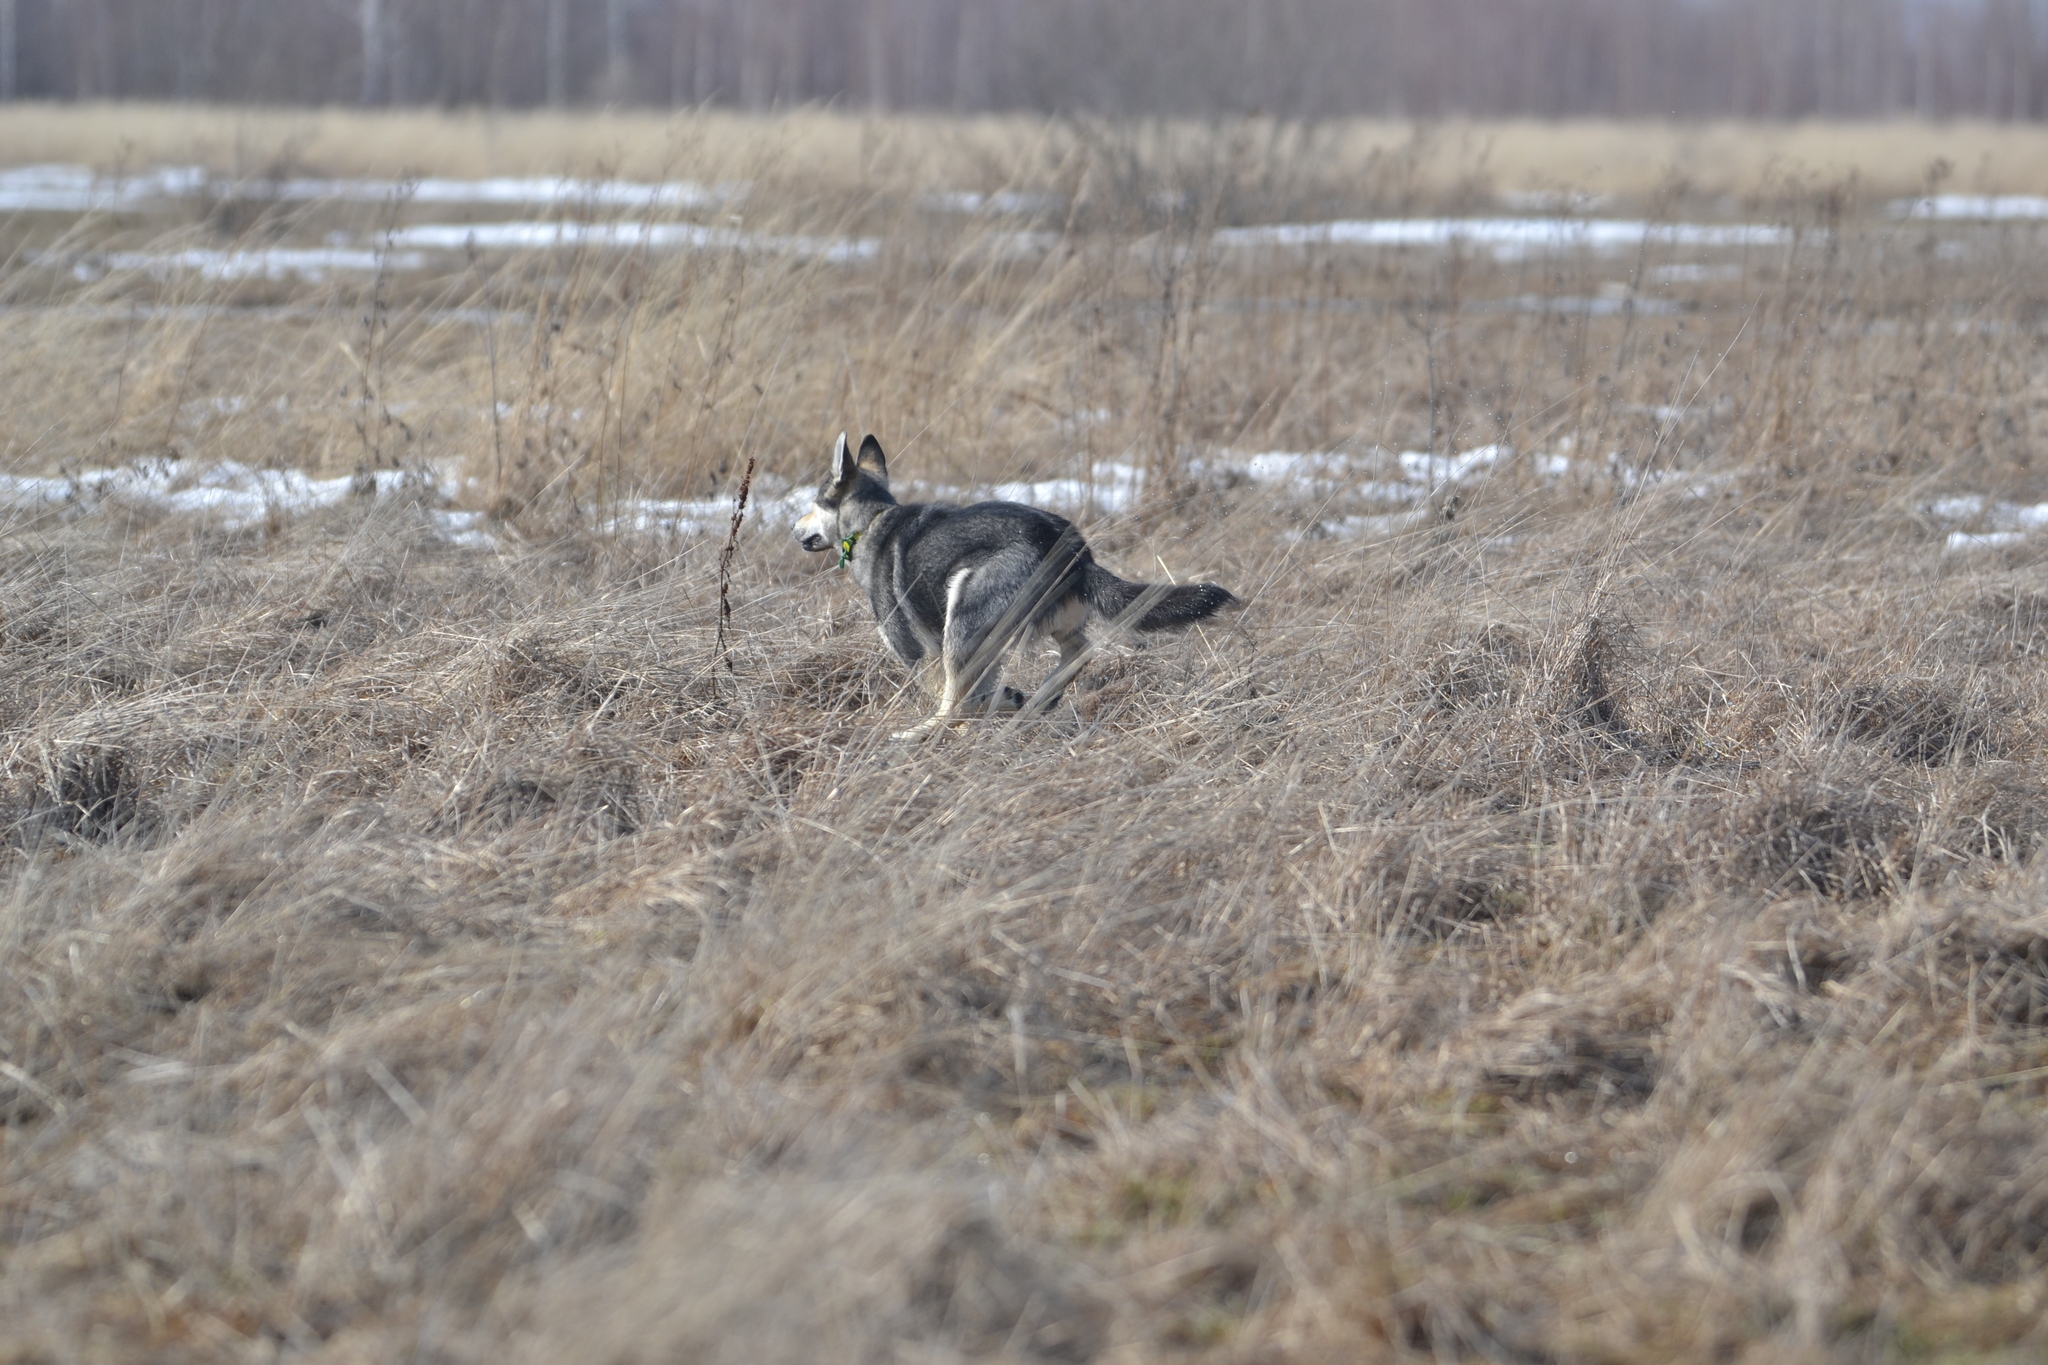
(810, 532)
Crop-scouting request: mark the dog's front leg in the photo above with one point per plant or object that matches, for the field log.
(960, 697)
(933, 677)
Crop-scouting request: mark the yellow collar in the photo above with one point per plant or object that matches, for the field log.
(846, 549)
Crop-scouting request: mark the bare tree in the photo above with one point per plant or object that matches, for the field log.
(875, 34)
(618, 61)
(970, 59)
(705, 53)
(755, 60)
(558, 52)
(371, 19)
(8, 50)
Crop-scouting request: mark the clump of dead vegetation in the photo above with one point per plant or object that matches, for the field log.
(1596, 919)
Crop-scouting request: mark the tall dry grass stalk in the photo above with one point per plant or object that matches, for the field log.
(1598, 919)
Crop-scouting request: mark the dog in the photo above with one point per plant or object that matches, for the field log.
(954, 587)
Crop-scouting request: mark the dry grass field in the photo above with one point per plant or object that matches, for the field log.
(808, 149)
(1586, 908)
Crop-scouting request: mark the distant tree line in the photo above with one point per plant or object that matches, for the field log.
(1689, 58)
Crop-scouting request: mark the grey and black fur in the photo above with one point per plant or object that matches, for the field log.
(954, 587)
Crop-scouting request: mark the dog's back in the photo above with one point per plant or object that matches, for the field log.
(1013, 553)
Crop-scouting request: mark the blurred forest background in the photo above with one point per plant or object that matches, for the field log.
(1411, 58)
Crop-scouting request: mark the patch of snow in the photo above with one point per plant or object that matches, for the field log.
(236, 494)
(1983, 540)
(668, 516)
(532, 189)
(1315, 474)
(28, 493)
(1957, 508)
(538, 236)
(1329, 474)
(1694, 272)
(80, 189)
(1508, 238)
(267, 263)
(1574, 305)
(769, 507)
(1114, 489)
(1434, 470)
(773, 507)
(1289, 467)
(464, 529)
(2011, 520)
(1983, 207)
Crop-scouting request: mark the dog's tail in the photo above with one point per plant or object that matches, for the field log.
(1163, 607)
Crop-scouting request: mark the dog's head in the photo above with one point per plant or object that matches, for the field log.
(853, 496)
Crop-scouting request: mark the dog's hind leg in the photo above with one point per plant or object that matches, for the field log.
(931, 675)
(1068, 628)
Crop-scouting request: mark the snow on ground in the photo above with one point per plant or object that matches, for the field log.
(771, 506)
(1979, 207)
(80, 189)
(626, 236)
(1694, 272)
(1340, 481)
(1552, 226)
(1334, 478)
(1370, 495)
(1113, 490)
(1314, 474)
(2002, 523)
(1436, 470)
(236, 495)
(409, 247)
(1984, 540)
(231, 493)
(77, 189)
(535, 189)
(312, 264)
(1508, 238)
(1574, 305)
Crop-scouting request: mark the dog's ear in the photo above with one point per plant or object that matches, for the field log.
(872, 460)
(843, 470)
